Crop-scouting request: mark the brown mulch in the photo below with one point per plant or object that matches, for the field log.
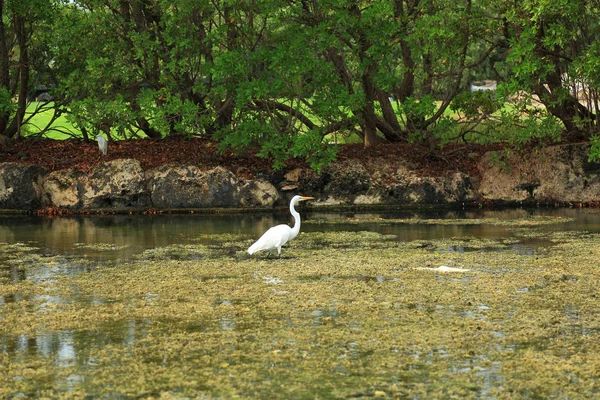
(56, 155)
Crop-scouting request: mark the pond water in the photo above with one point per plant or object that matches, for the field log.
(396, 304)
(130, 235)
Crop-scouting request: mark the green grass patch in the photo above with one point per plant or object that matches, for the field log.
(40, 116)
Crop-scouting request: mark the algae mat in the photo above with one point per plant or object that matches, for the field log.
(340, 315)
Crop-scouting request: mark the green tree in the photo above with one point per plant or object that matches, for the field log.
(123, 67)
(384, 70)
(553, 54)
(413, 53)
(289, 77)
(19, 22)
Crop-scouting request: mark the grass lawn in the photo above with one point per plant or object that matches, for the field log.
(61, 128)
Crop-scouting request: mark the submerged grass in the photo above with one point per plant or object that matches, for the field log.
(340, 314)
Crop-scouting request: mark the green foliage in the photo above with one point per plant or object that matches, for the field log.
(311, 147)
(283, 77)
(594, 153)
(94, 116)
(7, 106)
(251, 133)
(418, 109)
(474, 104)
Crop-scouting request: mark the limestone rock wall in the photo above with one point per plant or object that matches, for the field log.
(21, 186)
(554, 174)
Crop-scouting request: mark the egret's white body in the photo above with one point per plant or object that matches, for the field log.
(279, 235)
(102, 144)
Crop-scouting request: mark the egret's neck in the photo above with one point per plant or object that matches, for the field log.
(296, 228)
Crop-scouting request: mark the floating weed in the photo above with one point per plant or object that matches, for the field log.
(463, 244)
(220, 238)
(530, 221)
(209, 246)
(99, 246)
(8, 248)
(16, 253)
(340, 314)
(176, 252)
(319, 240)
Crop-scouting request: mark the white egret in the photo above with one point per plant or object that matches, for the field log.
(102, 144)
(279, 235)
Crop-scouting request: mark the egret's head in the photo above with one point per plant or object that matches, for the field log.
(297, 199)
(302, 198)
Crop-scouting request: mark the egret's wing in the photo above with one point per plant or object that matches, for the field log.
(275, 237)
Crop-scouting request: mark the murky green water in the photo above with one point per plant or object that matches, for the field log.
(490, 304)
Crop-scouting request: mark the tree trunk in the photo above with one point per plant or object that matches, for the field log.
(561, 104)
(368, 111)
(407, 86)
(147, 129)
(142, 122)
(428, 79)
(370, 131)
(4, 68)
(225, 112)
(390, 127)
(14, 129)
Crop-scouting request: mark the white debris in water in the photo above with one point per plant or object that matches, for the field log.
(272, 280)
(445, 268)
(268, 279)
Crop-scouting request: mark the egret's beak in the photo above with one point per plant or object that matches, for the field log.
(306, 198)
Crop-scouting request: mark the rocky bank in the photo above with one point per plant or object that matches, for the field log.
(556, 174)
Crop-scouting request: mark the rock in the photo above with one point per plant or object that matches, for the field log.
(366, 199)
(303, 181)
(61, 189)
(346, 180)
(424, 190)
(189, 187)
(175, 186)
(329, 201)
(258, 193)
(222, 188)
(114, 184)
(559, 173)
(457, 188)
(405, 187)
(462, 186)
(294, 175)
(554, 174)
(21, 186)
(497, 184)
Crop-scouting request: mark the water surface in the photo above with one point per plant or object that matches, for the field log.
(171, 305)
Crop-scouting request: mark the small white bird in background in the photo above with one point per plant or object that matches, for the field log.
(279, 235)
(102, 144)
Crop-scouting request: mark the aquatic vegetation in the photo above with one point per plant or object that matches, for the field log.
(340, 314)
(516, 222)
(99, 246)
